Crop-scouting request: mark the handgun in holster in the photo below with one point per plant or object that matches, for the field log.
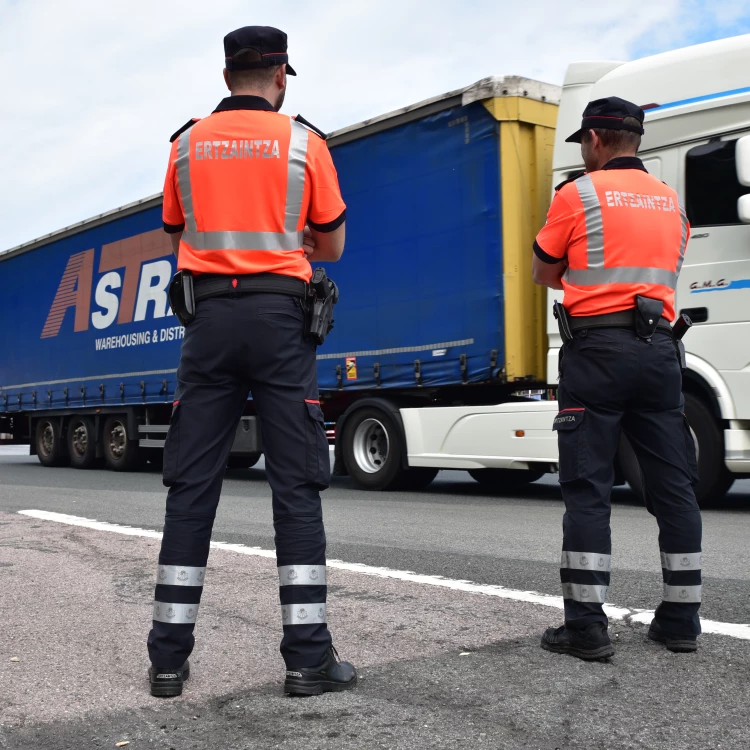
(563, 322)
(182, 297)
(323, 295)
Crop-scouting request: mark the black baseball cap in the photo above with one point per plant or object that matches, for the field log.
(270, 43)
(608, 113)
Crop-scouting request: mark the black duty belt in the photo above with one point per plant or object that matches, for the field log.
(219, 285)
(624, 319)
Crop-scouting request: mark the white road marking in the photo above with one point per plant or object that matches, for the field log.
(733, 630)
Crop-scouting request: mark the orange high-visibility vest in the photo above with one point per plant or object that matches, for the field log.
(624, 233)
(241, 185)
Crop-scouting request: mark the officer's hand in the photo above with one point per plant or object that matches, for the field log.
(308, 243)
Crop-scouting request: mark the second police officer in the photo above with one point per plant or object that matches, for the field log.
(614, 241)
(242, 188)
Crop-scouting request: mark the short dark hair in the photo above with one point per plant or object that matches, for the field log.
(256, 78)
(618, 140)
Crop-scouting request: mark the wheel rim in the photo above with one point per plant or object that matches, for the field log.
(80, 439)
(48, 439)
(371, 446)
(117, 438)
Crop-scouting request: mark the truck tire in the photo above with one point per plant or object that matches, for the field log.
(121, 452)
(417, 478)
(50, 446)
(243, 462)
(82, 442)
(372, 450)
(504, 479)
(714, 479)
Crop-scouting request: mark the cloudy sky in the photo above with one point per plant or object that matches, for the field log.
(92, 90)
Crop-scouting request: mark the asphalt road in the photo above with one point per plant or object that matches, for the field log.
(507, 693)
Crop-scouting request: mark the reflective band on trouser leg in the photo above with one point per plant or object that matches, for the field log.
(303, 614)
(682, 594)
(302, 575)
(288, 240)
(586, 561)
(681, 561)
(580, 592)
(180, 575)
(175, 613)
(592, 211)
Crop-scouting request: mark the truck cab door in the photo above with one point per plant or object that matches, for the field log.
(714, 286)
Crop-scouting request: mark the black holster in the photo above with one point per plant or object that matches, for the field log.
(182, 297)
(323, 295)
(563, 322)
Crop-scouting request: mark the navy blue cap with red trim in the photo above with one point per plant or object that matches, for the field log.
(609, 113)
(268, 42)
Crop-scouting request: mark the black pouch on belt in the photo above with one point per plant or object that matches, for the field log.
(182, 297)
(647, 315)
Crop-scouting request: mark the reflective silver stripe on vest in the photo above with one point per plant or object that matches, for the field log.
(180, 575)
(681, 561)
(586, 561)
(583, 592)
(682, 594)
(177, 614)
(289, 239)
(302, 575)
(621, 275)
(303, 614)
(592, 211)
(183, 180)
(295, 184)
(683, 237)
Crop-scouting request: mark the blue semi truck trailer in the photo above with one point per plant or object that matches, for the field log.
(437, 312)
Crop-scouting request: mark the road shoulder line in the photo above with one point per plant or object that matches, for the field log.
(641, 616)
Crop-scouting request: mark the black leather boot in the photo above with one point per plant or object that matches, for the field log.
(167, 682)
(591, 643)
(679, 644)
(331, 675)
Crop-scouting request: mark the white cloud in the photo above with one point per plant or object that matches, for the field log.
(93, 90)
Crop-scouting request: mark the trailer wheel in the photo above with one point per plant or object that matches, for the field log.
(121, 452)
(372, 449)
(50, 446)
(714, 479)
(243, 462)
(504, 479)
(82, 443)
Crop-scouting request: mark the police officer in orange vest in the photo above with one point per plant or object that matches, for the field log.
(614, 242)
(251, 197)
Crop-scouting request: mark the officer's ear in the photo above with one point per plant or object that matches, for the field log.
(226, 79)
(280, 77)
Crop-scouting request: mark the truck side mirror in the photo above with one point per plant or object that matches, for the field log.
(742, 160)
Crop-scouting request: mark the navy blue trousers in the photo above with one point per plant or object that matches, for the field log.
(611, 380)
(236, 345)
